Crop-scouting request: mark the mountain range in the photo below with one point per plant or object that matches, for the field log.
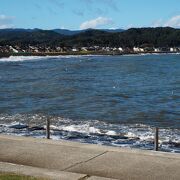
(141, 37)
(60, 31)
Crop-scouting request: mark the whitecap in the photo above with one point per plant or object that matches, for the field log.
(91, 131)
(21, 58)
(111, 133)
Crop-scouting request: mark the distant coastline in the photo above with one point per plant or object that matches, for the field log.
(6, 55)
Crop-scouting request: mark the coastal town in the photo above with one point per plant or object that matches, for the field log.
(93, 49)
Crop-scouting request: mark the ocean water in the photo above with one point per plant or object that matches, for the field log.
(109, 100)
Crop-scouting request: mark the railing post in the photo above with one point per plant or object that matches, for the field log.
(156, 139)
(48, 128)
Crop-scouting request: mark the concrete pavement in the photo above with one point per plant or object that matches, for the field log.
(44, 173)
(86, 161)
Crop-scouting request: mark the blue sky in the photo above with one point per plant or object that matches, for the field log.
(82, 14)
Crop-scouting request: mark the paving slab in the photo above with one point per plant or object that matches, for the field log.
(131, 166)
(45, 173)
(38, 154)
(99, 178)
(96, 162)
(39, 172)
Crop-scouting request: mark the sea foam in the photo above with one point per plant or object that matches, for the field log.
(92, 131)
(31, 58)
(21, 58)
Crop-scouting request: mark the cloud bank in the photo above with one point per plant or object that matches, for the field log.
(172, 22)
(6, 21)
(95, 23)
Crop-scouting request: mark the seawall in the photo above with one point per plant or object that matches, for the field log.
(90, 161)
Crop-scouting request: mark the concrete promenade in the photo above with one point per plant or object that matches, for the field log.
(67, 160)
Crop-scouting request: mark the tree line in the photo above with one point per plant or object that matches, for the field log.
(139, 37)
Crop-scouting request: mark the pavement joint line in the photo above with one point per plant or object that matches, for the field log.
(96, 156)
(85, 161)
(85, 177)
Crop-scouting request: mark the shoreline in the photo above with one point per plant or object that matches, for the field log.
(71, 143)
(140, 136)
(6, 55)
(54, 137)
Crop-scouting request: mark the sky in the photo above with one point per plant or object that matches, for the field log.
(84, 14)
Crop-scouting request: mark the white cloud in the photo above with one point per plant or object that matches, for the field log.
(173, 22)
(94, 23)
(6, 21)
(5, 26)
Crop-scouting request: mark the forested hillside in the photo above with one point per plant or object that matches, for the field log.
(142, 37)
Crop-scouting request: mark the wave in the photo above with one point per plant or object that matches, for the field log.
(21, 58)
(30, 58)
(92, 131)
(148, 54)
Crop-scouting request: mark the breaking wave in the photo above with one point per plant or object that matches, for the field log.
(92, 131)
(31, 58)
(21, 58)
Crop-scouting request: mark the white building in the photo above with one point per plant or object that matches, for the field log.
(173, 49)
(74, 50)
(84, 49)
(156, 50)
(13, 49)
(120, 49)
(137, 49)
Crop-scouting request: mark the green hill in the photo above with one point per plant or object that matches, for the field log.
(145, 37)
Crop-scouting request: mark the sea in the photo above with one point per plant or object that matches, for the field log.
(107, 100)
